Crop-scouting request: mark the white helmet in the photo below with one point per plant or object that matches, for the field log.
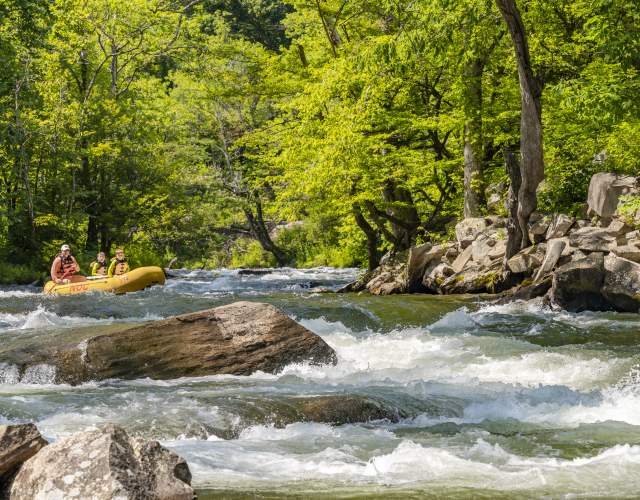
(65, 247)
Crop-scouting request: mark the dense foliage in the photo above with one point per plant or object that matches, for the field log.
(197, 129)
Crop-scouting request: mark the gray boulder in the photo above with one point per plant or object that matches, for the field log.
(437, 276)
(467, 230)
(605, 190)
(629, 252)
(592, 239)
(560, 225)
(577, 285)
(420, 258)
(18, 443)
(621, 287)
(554, 252)
(239, 339)
(103, 464)
(527, 260)
(462, 259)
(539, 228)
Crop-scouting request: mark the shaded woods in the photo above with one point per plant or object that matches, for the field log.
(259, 132)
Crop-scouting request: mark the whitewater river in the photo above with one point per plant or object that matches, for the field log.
(512, 401)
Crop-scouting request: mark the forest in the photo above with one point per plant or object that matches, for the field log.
(229, 133)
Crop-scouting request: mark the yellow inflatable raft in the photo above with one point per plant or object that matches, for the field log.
(137, 279)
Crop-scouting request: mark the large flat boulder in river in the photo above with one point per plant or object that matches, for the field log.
(238, 339)
(103, 464)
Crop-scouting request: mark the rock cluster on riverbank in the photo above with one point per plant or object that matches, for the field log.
(102, 464)
(579, 263)
(237, 339)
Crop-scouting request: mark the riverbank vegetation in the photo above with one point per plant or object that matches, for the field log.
(299, 132)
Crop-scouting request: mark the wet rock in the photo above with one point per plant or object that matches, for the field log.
(254, 272)
(344, 409)
(18, 443)
(621, 287)
(103, 464)
(577, 285)
(551, 257)
(592, 239)
(528, 290)
(605, 190)
(559, 226)
(467, 230)
(239, 338)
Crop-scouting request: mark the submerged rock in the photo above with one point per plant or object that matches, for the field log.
(239, 339)
(18, 443)
(103, 464)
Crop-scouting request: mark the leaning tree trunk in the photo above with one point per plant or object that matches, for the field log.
(532, 161)
(261, 233)
(514, 232)
(373, 256)
(473, 185)
(402, 214)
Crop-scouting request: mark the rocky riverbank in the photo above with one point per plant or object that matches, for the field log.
(588, 262)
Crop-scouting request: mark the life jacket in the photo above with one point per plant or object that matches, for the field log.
(121, 266)
(99, 266)
(67, 266)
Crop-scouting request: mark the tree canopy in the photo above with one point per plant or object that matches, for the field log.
(296, 132)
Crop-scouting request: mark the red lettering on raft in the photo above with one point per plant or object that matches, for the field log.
(79, 288)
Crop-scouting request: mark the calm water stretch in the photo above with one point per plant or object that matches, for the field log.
(512, 401)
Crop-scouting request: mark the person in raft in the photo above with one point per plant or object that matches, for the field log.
(65, 267)
(119, 264)
(99, 266)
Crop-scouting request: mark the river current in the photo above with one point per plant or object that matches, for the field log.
(498, 401)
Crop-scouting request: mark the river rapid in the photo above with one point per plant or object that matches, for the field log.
(498, 401)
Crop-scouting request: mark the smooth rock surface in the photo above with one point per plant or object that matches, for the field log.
(605, 190)
(551, 257)
(592, 239)
(103, 464)
(559, 226)
(239, 338)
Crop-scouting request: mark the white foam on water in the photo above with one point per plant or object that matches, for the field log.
(260, 460)
(402, 356)
(41, 318)
(9, 294)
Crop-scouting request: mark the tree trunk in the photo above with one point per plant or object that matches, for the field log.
(532, 161)
(261, 233)
(514, 232)
(373, 256)
(402, 214)
(473, 140)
